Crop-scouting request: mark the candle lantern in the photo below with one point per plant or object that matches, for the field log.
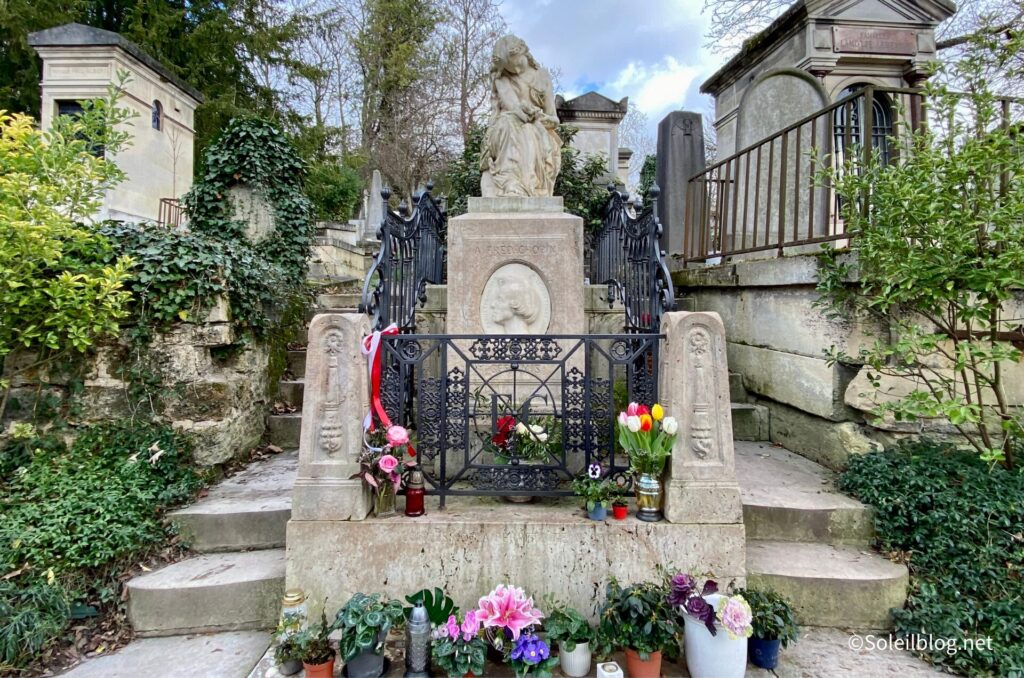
(293, 612)
(609, 670)
(414, 493)
(417, 643)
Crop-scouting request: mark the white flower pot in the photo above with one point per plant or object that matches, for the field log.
(717, 656)
(576, 663)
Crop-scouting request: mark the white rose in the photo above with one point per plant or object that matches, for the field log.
(536, 428)
(542, 437)
(521, 428)
(633, 423)
(669, 425)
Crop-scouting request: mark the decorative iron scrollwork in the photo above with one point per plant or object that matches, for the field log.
(412, 254)
(504, 349)
(627, 257)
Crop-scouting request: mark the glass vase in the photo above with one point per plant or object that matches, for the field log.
(384, 501)
(648, 498)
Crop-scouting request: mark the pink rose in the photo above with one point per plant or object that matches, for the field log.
(397, 435)
(387, 464)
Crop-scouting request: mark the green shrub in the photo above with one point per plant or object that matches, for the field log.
(961, 523)
(334, 189)
(100, 500)
(30, 618)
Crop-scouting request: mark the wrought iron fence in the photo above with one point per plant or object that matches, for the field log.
(471, 390)
(765, 197)
(627, 257)
(412, 254)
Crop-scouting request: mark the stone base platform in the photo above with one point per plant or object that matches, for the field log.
(547, 547)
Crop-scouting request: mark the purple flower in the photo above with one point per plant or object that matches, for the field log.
(530, 649)
(701, 610)
(683, 586)
(594, 471)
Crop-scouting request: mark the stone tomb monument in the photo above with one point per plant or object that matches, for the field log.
(515, 266)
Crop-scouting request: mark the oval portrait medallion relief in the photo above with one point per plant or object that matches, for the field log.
(515, 300)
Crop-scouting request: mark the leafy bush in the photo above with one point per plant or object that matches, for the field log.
(69, 515)
(961, 526)
(255, 153)
(61, 290)
(30, 617)
(334, 190)
(100, 500)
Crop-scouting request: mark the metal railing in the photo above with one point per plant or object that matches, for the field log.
(766, 197)
(171, 212)
(627, 257)
(412, 254)
(469, 391)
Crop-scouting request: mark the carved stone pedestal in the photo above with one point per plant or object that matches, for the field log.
(515, 266)
(335, 401)
(694, 387)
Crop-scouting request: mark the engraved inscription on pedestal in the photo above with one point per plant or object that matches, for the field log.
(515, 300)
(332, 428)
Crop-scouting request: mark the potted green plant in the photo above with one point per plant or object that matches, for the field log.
(573, 633)
(313, 646)
(288, 655)
(620, 509)
(639, 620)
(774, 626)
(595, 490)
(458, 647)
(364, 622)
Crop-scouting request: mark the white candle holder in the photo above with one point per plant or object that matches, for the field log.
(609, 670)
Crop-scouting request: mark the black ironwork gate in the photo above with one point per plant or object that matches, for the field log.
(473, 392)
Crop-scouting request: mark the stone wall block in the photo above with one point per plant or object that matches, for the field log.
(335, 401)
(694, 387)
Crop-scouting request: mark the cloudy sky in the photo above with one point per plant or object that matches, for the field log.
(649, 50)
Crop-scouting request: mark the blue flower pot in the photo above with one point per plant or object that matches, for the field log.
(764, 653)
(599, 512)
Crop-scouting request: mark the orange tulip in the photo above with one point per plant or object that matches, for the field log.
(646, 422)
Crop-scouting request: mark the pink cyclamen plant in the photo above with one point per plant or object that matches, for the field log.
(508, 607)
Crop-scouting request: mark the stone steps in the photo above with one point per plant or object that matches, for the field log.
(810, 543)
(749, 422)
(209, 592)
(789, 498)
(829, 585)
(291, 391)
(283, 430)
(297, 363)
(247, 511)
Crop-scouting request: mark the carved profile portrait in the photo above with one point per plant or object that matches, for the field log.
(515, 300)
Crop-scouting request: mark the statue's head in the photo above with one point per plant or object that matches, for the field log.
(511, 55)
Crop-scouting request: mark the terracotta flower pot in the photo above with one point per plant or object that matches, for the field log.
(637, 668)
(620, 511)
(325, 670)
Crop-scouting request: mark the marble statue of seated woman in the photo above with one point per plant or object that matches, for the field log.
(522, 150)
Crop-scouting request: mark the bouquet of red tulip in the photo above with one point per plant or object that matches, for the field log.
(647, 436)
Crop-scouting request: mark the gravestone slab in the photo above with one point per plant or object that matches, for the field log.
(680, 156)
(250, 206)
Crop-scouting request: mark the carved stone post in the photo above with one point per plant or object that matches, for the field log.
(335, 401)
(694, 387)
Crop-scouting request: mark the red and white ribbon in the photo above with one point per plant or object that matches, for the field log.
(370, 347)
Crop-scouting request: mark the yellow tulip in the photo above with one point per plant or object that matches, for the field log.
(657, 412)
